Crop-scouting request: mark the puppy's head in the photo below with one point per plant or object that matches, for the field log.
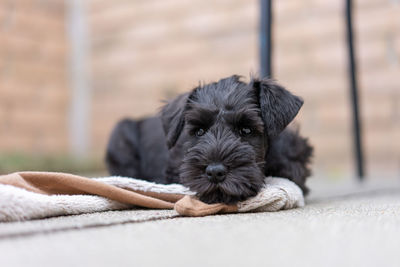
(224, 129)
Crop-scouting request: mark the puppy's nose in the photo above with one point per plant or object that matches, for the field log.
(216, 172)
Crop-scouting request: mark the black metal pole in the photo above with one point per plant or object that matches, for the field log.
(265, 38)
(354, 92)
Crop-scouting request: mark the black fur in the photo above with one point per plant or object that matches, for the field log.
(236, 124)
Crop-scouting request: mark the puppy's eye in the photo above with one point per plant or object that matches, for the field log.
(200, 132)
(245, 131)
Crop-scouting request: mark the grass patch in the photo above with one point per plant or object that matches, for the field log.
(54, 163)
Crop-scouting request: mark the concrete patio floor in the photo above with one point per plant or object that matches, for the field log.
(341, 225)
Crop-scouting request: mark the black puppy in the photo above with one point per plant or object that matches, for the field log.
(220, 140)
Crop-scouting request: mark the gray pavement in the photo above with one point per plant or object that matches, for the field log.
(347, 225)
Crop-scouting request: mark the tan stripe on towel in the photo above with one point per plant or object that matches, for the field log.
(51, 183)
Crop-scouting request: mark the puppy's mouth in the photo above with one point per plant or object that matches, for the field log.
(238, 185)
(223, 193)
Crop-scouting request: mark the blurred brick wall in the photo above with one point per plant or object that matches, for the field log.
(311, 58)
(33, 83)
(146, 51)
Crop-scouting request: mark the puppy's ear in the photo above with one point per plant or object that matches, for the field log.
(278, 105)
(173, 119)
